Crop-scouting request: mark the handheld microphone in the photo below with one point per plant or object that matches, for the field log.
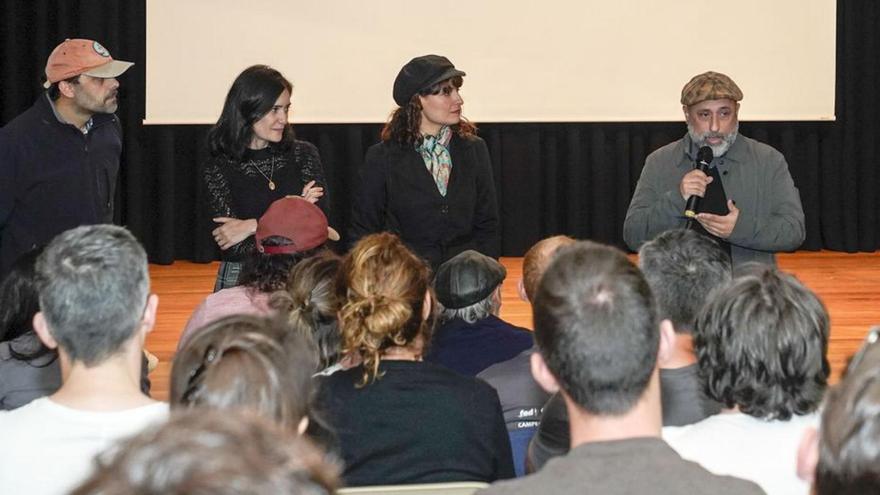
(704, 158)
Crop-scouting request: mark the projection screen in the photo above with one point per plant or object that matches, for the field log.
(526, 61)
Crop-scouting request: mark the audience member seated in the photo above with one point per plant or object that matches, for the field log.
(761, 347)
(399, 419)
(292, 229)
(28, 369)
(471, 337)
(848, 448)
(245, 362)
(600, 342)
(522, 399)
(96, 310)
(682, 268)
(208, 452)
(311, 302)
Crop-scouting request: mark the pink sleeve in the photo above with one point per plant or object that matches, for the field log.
(196, 321)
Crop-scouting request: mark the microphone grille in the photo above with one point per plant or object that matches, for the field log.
(705, 155)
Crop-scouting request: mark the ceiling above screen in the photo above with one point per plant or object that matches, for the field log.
(526, 61)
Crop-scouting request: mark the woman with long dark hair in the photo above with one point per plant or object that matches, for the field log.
(254, 161)
(430, 179)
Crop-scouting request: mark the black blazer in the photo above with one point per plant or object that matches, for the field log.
(395, 192)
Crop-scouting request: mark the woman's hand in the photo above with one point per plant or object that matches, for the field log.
(311, 193)
(232, 231)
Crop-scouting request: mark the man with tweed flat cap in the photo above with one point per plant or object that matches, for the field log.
(749, 201)
(60, 158)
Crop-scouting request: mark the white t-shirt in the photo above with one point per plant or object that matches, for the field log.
(740, 445)
(48, 448)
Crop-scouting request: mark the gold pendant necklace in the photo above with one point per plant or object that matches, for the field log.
(271, 174)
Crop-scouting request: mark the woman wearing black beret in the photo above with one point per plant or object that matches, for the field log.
(430, 179)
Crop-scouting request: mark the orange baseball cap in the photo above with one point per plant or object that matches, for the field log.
(78, 56)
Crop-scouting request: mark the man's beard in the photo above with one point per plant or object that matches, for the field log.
(718, 149)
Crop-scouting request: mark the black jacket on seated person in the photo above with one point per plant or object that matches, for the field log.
(417, 423)
(397, 193)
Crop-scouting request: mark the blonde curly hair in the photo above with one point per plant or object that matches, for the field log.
(383, 287)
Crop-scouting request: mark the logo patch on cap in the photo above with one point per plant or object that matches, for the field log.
(100, 50)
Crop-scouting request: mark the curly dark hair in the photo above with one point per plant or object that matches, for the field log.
(762, 345)
(252, 95)
(402, 127)
(264, 272)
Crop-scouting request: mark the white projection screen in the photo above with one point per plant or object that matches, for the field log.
(526, 60)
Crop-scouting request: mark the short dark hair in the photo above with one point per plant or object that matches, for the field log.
(212, 452)
(761, 345)
(55, 93)
(253, 93)
(596, 327)
(246, 362)
(849, 438)
(94, 285)
(19, 302)
(683, 268)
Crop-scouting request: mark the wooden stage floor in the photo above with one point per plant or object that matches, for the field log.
(849, 284)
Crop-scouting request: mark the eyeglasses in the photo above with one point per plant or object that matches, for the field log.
(196, 376)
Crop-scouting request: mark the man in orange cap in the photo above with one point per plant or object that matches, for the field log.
(749, 203)
(59, 159)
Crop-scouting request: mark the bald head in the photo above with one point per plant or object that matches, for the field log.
(537, 259)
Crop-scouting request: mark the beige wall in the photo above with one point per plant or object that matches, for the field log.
(527, 60)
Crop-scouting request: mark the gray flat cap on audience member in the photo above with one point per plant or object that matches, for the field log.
(467, 279)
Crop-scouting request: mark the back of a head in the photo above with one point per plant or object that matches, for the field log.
(683, 268)
(19, 297)
(311, 301)
(538, 258)
(761, 345)
(205, 452)
(596, 327)
(383, 286)
(849, 438)
(264, 272)
(94, 286)
(248, 363)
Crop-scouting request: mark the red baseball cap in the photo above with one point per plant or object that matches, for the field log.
(78, 56)
(296, 219)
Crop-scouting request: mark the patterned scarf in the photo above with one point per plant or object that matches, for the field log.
(435, 152)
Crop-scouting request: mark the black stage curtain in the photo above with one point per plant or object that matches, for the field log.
(572, 178)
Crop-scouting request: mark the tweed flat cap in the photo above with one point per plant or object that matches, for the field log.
(710, 86)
